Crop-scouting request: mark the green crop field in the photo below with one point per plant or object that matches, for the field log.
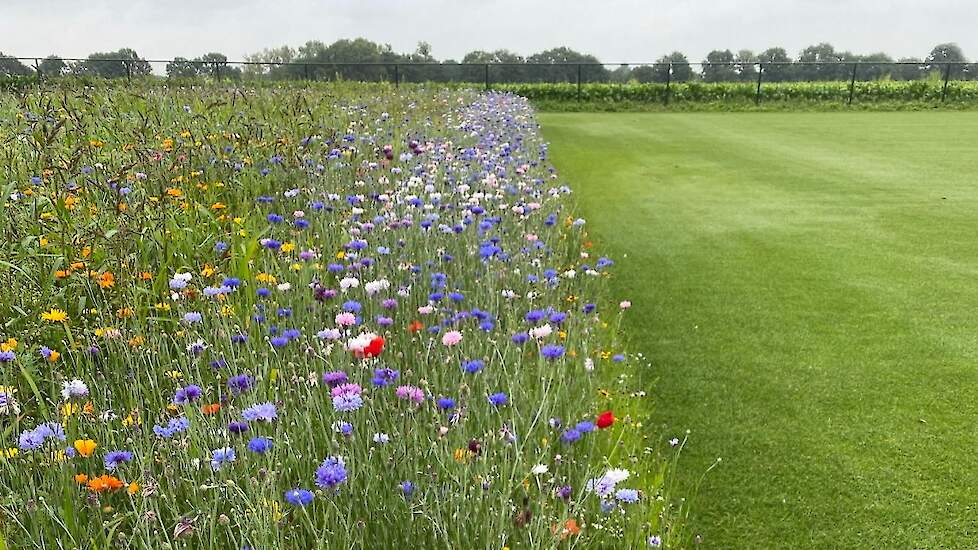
(805, 286)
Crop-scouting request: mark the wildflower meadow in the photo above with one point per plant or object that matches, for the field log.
(304, 316)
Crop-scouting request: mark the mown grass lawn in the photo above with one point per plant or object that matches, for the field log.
(806, 285)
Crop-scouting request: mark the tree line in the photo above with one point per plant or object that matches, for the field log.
(362, 59)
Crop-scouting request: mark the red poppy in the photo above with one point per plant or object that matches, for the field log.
(606, 419)
(374, 348)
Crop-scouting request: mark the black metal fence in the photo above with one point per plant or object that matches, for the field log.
(489, 75)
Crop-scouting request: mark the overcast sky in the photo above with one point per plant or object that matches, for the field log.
(613, 30)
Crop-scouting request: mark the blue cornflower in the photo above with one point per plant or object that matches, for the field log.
(473, 366)
(552, 351)
(498, 399)
(627, 496)
(330, 473)
(260, 445)
(585, 427)
(220, 457)
(407, 488)
(262, 412)
(173, 427)
(279, 341)
(446, 403)
(192, 317)
(570, 436)
(299, 497)
(347, 402)
(114, 459)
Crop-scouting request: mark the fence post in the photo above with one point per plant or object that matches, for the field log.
(128, 72)
(217, 71)
(579, 82)
(305, 70)
(852, 82)
(760, 76)
(397, 76)
(37, 67)
(487, 77)
(668, 82)
(947, 73)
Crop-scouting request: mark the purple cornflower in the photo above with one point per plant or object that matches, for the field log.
(237, 427)
(240, 383)
(334, 378)
(407, 488)
(187, 394)
(383, 377)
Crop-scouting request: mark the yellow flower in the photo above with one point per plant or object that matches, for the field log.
(462, 456)
(218, 206)
(85, 447)
(55, 316)
(136, 341)
(162, 307)
(131, 419)
(44, 241)
(133, 488)
(9, 345)
(54, 356)
(340, 255)
(207, 271)
(10, 452)
(265, 278)
(68, 409)
(174, 374)
(288, 247)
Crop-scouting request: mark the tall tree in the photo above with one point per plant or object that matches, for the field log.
(744, 65)
(677, 61)
(567, 59)
(13, 67)
(942, 54)
(262, 63)
(115, 64)
(777, 65)
(875, 66)
(819, 62)
(53, 65)
(718, 66)
(908, 68)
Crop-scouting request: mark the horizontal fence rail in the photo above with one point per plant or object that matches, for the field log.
(663, 78)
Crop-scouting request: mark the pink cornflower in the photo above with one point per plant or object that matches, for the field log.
(347, 389)
(451, 338)
(346, 319)
(410, 393)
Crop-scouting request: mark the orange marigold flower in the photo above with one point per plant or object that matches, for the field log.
(81, 479)
(133, 488)
(570, 528)
(106, 280)
(104, 483)
(212, 408)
